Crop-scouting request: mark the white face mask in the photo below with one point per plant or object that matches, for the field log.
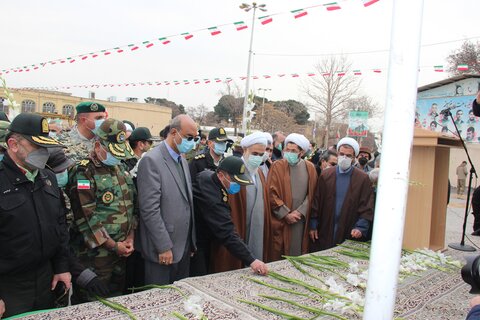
(344, 162)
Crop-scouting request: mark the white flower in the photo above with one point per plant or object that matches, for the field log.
(354, 267)
(353, 279)
(193, 305)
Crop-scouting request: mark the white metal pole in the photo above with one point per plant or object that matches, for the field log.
(247, 84)
(394, 173)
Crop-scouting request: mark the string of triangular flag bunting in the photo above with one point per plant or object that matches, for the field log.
(197, 81)
(214, 30)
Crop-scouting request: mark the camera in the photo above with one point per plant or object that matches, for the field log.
(471, 273)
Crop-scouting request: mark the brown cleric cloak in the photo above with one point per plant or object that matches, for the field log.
(281, 194)
(358, 203)
(221, 259)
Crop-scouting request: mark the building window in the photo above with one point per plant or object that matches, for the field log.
(68, 110)
(3, 105)
(28, 106)
(48, 107)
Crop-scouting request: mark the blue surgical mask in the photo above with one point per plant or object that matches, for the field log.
(98, 123)
(62, 178)
(1, 156)
(111, 160)
(219, 148)
(254, 162)
(291, 157)
(185, 146)
(233, 188)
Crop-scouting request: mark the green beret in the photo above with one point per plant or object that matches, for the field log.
(89, 106)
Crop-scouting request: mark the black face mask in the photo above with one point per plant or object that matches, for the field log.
(277, 152)
(363, 161)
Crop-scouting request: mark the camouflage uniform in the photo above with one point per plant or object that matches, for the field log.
(103, 203)
(77, 147)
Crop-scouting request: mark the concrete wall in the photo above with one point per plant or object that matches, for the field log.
(152, 116)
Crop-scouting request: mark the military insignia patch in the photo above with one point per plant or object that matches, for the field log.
(121, 136)
(45, 126)
(94, 107)
(84, 163)
(221, 131)
(107, 197)
(242, 169)
(225, 196)
(48, 183)
(83, 184)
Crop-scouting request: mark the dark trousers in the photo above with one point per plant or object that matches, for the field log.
(156, 273)
(27, 291)
(200, 262)
(135, 271)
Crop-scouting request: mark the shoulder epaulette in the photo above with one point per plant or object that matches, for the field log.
(200, 156)
(84, 162)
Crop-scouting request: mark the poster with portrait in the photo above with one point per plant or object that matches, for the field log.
(357, 124)
(429, 115)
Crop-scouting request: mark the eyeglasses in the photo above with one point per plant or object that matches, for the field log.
(190, 138)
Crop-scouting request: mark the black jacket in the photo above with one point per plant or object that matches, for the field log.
(200, 163)
(212, 217)
(33, 229)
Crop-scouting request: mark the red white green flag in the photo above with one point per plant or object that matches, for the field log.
(438, 68)
(187, 35)
(367, 3)
(119, 50)
(462, 67)
(267, 76)
(357, 72)
(266, 19)
(164, 40)
(340, 73)
(299, 13)
(295, 75)
(147, 44)
(240, 25)
(206, 80)
(326, 74)
(377, 70)
(196, 81)
(132, 47)
(84, 57)
(214, 31)
(281, 75)
(311, 74)
(332, 6)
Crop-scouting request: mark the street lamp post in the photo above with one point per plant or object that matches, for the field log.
(263, 103)
(247, 7)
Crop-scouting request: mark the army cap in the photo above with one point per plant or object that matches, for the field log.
(112, 134)
(235, 167)
(34, 128)
(3, 133)
(218, 135)
(3, 116)
(140, 134)
(89, 106)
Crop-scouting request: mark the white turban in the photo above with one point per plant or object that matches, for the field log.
(128, 127)
(349, 142)
(299, 140)
(254, 138)
(269, 137)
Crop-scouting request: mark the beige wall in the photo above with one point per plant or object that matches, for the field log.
(457, 155)
(152, 116)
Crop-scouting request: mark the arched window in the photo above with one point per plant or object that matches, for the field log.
(3, 105)
(68, 110)
(28, 106)
(48, 107)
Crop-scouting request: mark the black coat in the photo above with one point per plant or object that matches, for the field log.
(201, 162)
(33, 230)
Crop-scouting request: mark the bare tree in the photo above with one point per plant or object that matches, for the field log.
(361, 103)
(198, 114)
(230, 105)
(329, 91)
(469, 54)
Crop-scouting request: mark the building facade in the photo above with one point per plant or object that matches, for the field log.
(60, 105)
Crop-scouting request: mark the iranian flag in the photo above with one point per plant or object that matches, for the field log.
(119, 50)
(84, 57)
(295, 75)
(299, 13)
(332, 6)
(83, 184)
(240, 25)
(326, 74)
(311, 74)
(462, 67)
(357, 72)
(341, 73)
(377, 70)
(187, 35)
(186, 82)
(218, 80)
(132, 47)
(438, 68)
(206, 80)
(196, 81)
(281, 75)
(147, 44)
(164, 40)
(266, 19)
(105, 52)
(266, 76)
(367, 3)
(214, 31)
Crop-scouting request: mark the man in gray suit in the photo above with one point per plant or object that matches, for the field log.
(167, 229)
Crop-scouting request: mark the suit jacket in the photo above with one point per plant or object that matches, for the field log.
(166, 220)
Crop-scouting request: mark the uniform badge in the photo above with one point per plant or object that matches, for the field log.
(84, 162)
(48, 182)
(242, 169)
(107, 197)
(221, 131)
(225, 196)
(83, 184)
(121, 136)
(94, 107)
(45, 126)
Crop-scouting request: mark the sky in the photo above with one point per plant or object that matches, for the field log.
(38, 31)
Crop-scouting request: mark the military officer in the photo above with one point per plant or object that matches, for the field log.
(33, 232)
(103, 195)
(213, 154)
(79, 140)
(212, 215)
(141, 141)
